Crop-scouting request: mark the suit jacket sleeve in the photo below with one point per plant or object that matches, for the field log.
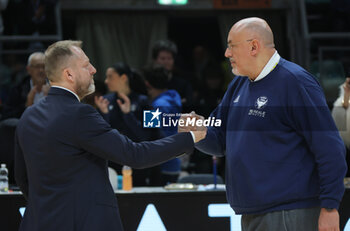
(95, 135)
(20, 169)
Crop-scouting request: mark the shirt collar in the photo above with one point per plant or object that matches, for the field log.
(271, 64)
(67, 90)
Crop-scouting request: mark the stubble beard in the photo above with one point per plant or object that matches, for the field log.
(235, 72)
(83, 91)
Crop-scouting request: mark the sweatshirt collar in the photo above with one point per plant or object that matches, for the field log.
(271, 64)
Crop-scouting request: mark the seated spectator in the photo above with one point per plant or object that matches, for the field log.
(168, 102)
(30, 90)
(164, 53)
(123, 110)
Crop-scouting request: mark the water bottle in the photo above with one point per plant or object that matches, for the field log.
(4, 180)
(127, 178)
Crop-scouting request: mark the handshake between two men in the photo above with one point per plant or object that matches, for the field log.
(189, 123)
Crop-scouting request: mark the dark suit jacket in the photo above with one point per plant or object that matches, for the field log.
(60, 164)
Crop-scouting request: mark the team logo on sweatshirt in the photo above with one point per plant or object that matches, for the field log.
(261, 102)
(236, 99)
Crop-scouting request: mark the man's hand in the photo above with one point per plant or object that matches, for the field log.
(126, 106)
(102, 104)
(328, 220)
(188, 127)
(30, 96)
(198, 131)
(200, 135)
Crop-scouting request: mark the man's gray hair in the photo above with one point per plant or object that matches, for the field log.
(35, 55)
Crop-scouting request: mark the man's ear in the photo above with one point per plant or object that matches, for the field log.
(68, 75)
(255, 47)
(124, 77)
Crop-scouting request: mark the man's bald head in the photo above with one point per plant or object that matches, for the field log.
(256, 28)
(250, 46)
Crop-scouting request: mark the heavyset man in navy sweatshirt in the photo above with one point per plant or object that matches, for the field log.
(285, 160)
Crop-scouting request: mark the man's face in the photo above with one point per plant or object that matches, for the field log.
(238, 51)
(165, 59)
(83, 73)
(36, 69)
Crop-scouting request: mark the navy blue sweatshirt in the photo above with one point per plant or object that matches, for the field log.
(282, 148)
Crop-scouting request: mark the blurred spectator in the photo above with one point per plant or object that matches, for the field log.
(123, 107)
(341, 116)
(164, 53)
(168, 102)
(341, 113)
(3, 5)
(123, 110)
(30, 90)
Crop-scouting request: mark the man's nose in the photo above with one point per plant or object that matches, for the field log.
(228, 53)
(93, 71)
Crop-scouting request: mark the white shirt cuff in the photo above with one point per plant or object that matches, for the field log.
(193, 136)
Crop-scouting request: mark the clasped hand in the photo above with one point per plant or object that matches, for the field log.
(199, 132)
